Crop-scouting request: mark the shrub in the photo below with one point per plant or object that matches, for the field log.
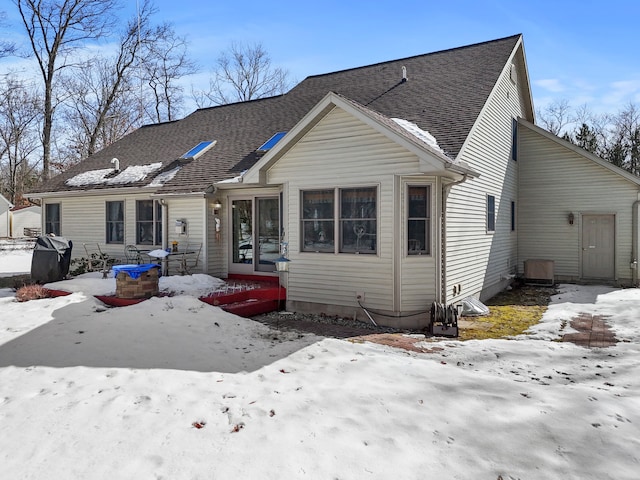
(31, 292)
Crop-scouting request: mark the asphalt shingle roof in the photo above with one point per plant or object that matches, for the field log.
(444, 94)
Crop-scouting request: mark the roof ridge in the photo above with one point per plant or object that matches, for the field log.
(462, 47)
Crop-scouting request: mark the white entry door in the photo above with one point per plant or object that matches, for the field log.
(598, 247)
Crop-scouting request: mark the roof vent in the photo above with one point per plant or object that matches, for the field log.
(404, 74)
(116, 164)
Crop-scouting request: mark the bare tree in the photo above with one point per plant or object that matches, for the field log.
(164, 62)
(556, 116)
(244, 72)
(103, 101)
(55, 29)
(6, 48)
(20, 114)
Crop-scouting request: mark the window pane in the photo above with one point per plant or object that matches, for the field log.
(358, 236)
(491, 213)
(418, 237)
(317, 204)
(52, 218)
(144, 222)
(418, 202)
(115, 222)
(358, 203)
(318, 236)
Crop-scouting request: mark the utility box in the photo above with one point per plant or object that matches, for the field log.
(539, 272)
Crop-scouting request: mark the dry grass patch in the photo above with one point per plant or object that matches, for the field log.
(32, 292)
(511, 313)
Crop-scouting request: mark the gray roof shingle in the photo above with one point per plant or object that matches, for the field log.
(444, 95)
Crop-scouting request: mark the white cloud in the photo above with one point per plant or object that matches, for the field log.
(550, 84)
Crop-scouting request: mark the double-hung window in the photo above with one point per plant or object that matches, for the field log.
(491, 213)
(52, 218)
(318, 223)
(418, 220)
(115, 222)
(345, 218)
(148, 222)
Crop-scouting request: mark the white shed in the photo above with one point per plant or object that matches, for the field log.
(5, 217)
(25, 221)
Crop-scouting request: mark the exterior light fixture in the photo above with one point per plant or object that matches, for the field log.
(571, 218)
(282, 264)
(217, 204)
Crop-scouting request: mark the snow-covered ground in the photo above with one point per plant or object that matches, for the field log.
(173, 388)
(14, 261)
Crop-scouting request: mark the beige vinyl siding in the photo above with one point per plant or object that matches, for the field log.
(83, 220)
(343, 152)
(216, 247)
(193, 210)
(415, 293)
(555, 181)
(478, 263)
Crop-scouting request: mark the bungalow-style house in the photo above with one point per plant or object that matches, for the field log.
(390, 186)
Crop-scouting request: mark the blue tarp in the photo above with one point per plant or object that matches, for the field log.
(134, 271)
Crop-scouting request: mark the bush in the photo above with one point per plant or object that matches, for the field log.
(31, 292)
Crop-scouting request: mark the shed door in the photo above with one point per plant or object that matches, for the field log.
(598, 246)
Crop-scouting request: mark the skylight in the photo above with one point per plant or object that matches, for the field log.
(269, 144)
(199, 149)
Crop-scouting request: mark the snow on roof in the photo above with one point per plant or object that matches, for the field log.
(131, 174)
(164, 177)
(416, 131)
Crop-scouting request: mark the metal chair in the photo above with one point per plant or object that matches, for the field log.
(96, 261)
(190, 260)
(132, 255)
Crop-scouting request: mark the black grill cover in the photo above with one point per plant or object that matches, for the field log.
(51, 259)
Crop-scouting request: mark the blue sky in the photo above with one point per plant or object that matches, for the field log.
(586, 52)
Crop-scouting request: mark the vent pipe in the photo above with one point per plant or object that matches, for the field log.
(116, 164)
(404, 74)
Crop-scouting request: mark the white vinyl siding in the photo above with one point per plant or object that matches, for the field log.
(477, 263)
(343, 152)
(555, 181)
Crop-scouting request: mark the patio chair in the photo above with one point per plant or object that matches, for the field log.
(132, 255)
(190, 259)
(96, 261)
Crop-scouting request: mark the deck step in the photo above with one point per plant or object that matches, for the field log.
(251, 307)
(249, 302)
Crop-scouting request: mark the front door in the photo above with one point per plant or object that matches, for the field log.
(598, 247)
(255, 234)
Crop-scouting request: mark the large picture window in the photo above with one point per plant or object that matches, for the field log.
(353, 225)
(52, 219)
(418, 220)
(115, 222)
(148, 222)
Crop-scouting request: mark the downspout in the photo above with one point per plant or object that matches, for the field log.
(634, 243)
(443, 238)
